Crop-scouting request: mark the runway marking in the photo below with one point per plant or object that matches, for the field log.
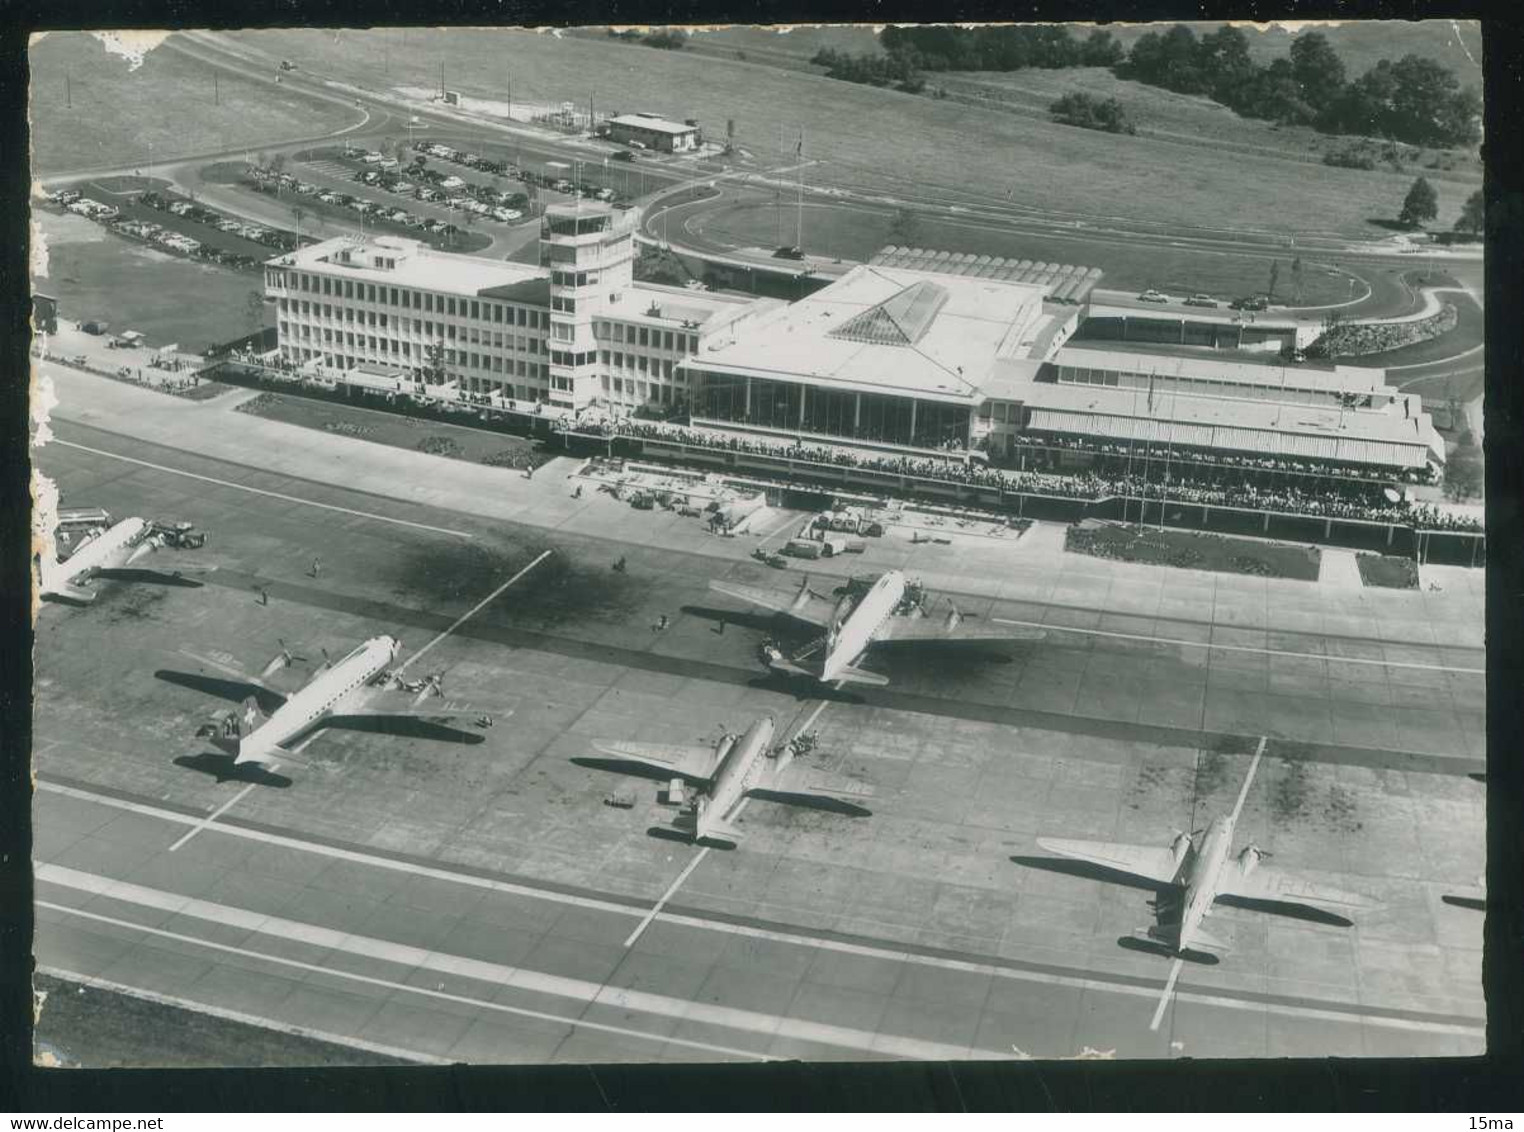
(1250, 648)
(666, 896)
(518, 978)
(470, 613)
(261, 491)
(213, 816)
(1169, 988)
(391, 985)
(775, 935)
(240, 1016)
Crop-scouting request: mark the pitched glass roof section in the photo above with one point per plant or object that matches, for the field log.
(899, 320)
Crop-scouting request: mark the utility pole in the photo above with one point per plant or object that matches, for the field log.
(68, 91)
(216, 91)
(799, 207)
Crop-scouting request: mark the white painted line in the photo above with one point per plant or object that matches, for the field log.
(1169, 989)
(213, 816)
(866, 950)
(1243, 792)
(470, 613)
(391, 985)
(409, 958)
(666, 896)
(245, 1019)
(1255, 648)
(261, 491)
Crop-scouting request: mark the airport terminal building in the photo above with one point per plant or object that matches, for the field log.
(917, 354)
(572, 332)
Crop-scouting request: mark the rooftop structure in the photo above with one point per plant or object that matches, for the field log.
(1061, 282)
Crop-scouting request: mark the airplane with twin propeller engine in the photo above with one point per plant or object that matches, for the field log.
(271, 725)
(111, 554)
(712, 783)
(890, 610)
(1196, 870)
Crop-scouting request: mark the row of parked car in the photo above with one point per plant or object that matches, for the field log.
(1247, 303)
(255, 233)
(168, 239)
(271, 181)
(508, 169)
(450, 192)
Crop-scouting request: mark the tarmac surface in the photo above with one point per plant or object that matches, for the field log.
(477, 901)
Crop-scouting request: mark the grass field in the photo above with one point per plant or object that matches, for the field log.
(1391, 572)
(898, 143)
(103, 1030)
(395, 430)
(1195, 551)
(854, 233)
(94, 274)
(1190, 119)
(88, 110)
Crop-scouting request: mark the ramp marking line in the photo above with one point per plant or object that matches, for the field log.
(868, 950)
(517, 978)
(262, 491)
(240, 1016)
(1248, 648)
(470, 613)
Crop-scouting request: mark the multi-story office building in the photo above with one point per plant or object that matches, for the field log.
(574, 331)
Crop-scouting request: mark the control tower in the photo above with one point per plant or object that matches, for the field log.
(589, 248)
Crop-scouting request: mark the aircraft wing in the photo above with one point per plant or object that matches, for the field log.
(237, 689)
(695, 762)
(1153, 863)
(952, 628)
(806, 606)
(395, 702)
(815, 790)
(1279, 887)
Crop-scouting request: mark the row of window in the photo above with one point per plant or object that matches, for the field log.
(426, 301)
(619, 360)
(650, 337)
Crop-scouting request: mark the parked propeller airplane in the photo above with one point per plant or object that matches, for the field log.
(1198, 870)
(890, 611)
(270, 725)
(108, 554)
(723, 777)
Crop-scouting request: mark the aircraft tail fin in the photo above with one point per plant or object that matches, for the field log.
(781, 664)
(853, 675)
(67, 591)
(229, 732)
(1200, 940)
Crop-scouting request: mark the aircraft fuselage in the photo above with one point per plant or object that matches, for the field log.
(738, 772)
(848, 640)
(323, 695)
(1202, 875)
(109, 550)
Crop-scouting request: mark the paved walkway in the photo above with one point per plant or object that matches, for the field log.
(1033, 568)
(1340, 570)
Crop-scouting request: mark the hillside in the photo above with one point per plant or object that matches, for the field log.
(905, 145)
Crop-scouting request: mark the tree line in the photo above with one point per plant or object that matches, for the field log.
(1414, 100)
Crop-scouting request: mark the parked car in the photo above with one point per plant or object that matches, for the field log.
(1251, 303)
(1200, 300)
(1152, 296)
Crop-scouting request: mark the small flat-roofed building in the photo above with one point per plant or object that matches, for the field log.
(654, 132)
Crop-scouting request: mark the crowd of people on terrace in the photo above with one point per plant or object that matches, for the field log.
(1327, 499)
(1185, 456)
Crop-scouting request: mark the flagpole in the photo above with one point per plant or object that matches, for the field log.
(1168, 450)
